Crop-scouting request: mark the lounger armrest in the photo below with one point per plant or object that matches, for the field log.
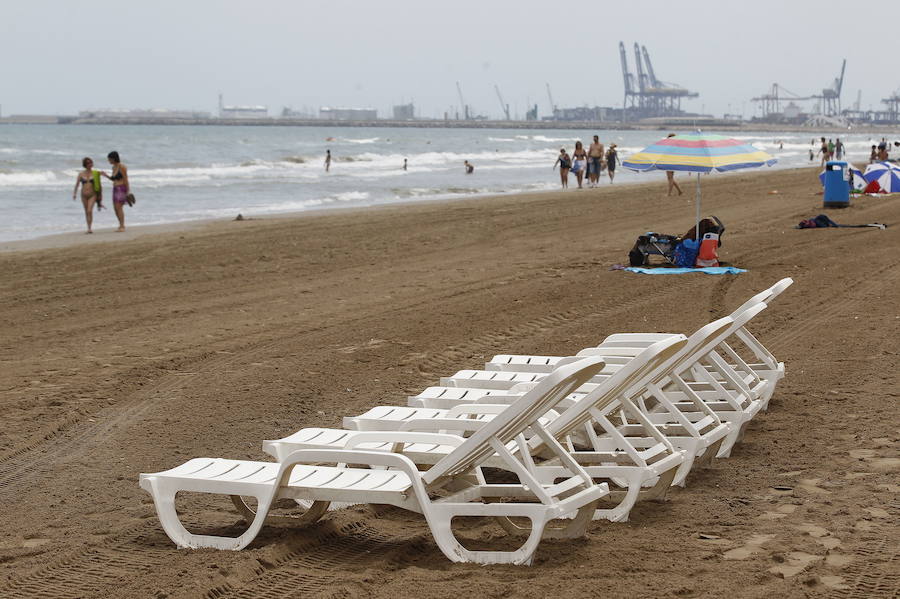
(401, 438)
(438, 424)
(498, 399)
(353, 456)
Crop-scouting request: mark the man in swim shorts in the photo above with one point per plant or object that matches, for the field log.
(596, 156)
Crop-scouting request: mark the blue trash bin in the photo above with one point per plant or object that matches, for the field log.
(837, 184)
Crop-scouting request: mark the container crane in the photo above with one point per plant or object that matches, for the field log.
(462, 102)
(503, 105)
(552, 103)
(831, 96)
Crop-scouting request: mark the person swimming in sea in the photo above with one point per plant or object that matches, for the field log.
(121, 188)
(327, 160)
(89, 194)
(470, 168)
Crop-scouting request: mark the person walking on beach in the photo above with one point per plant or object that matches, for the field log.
(580, 162)
(839, 148)
(327, 160)
(89, 195)
(612, 157)
(595, 161)
(470, 168)
(830, 150)
(823, 149)
(565, 163)
(670, 176)
(121, 188)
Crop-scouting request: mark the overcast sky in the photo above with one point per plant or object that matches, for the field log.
(61, 57)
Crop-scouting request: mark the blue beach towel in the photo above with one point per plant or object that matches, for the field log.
(708, 270)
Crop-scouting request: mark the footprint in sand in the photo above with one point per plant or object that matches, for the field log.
(751, 547)
(834, 582)
(780, 512)
(877, 512)
(837, 560)
(793, 563)
(810, 485)
(822, 536)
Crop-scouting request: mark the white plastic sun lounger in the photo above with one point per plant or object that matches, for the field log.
(680, 412)
(300, 476)
(762, 366)
(767, 369)
(732, 393)
(642, 472)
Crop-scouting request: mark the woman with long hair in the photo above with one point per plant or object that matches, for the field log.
(121, 189)
(90, 196)
(580, 164)
(565, 163)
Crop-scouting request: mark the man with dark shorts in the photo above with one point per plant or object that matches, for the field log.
(596, 155)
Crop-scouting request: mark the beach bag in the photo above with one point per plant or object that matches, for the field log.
(685, 253)
(708, 256)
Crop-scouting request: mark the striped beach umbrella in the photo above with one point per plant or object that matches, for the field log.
(698, 153)
(887, 174)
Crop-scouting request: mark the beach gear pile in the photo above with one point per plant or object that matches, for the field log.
(541, 444)
(685, 251)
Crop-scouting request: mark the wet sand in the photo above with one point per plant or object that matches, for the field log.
(135, 355)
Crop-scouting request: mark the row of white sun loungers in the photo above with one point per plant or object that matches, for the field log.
(584, 436)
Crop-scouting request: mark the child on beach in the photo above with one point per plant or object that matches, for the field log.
(470, 168)
(565, 163)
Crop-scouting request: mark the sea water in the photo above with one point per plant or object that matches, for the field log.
(183, 173)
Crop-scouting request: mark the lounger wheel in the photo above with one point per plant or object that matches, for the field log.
(313, 512)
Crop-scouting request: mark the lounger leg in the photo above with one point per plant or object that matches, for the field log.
(658, 491)
(314, 511)
(620, 512)
(574, 527)
(164, 499)
(439, 519)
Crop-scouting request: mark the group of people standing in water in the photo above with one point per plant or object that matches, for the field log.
(92, 190)
(591, 162)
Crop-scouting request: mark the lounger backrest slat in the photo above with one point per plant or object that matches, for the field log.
(765, 296)
(698, 345)
(627, 381)
(516, 419)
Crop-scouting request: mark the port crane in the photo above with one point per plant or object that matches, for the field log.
(552, 103)
(831, 96)
(462, 102)
(771, 100)
(645, 94)
(503, 105)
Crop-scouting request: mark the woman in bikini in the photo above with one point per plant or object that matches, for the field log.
(119, 177)
(89, 196)
(580, 157)
(565, 163)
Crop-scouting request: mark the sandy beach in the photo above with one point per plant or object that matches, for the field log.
(135, 353)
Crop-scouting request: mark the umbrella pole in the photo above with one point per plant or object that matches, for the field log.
(697, 203)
